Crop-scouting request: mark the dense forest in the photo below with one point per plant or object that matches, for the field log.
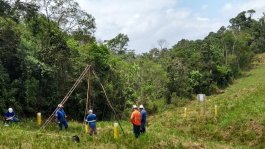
(46, 44)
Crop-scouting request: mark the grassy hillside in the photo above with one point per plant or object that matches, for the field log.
(241, 113)
(239, 124)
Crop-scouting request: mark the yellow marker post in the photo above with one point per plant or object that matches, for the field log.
(38, 118)
(215, 111)
(86, 129)
(116, 131)
(185, 112)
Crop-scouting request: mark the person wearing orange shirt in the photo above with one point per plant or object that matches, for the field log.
(136, 121)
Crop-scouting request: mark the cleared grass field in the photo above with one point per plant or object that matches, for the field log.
(27, 135)
(240, 123)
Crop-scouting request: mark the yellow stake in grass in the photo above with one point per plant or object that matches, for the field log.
(116, 131)
(86, 129)
(185, 112)
(38, 118)
(215, 110)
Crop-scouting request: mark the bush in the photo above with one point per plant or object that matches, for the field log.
(151, 107)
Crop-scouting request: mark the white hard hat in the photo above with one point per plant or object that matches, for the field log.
(141, 107)
(90, 111)
(60, 105)
(10, 110)
(134, 107)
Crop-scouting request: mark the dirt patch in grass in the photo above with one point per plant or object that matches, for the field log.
(249, 133)
(196, 145)
(226, 135)
(256, 128)
(259, 59)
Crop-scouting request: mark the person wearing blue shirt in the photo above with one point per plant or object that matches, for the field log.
(10, 116)
(61, 117)
(91, 120)
(143, 121)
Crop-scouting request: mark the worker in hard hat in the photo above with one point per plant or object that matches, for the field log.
(10, 116)
(61, 117)
(136, 121)
(91, 121)
(143, 120)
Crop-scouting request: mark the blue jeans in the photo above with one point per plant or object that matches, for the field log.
(12, 120)
(63, 123)
(136, 131)
(142, 130)
(92, 130)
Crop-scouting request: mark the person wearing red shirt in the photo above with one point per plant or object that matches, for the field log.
(136, 121)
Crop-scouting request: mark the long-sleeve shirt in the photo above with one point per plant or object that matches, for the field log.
(9, 115)
(136, 118)
(91, 119)
(143, 114)
(60, 115)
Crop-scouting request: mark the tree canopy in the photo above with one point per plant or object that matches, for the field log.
(46, 44)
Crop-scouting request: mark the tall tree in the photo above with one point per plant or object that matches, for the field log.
(119, 44)
(162, 44)
(68, 15)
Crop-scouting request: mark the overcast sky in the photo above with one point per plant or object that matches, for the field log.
(147, 21)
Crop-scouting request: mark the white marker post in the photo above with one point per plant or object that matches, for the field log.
(202, 98)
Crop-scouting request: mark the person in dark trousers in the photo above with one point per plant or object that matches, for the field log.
(143, 121)
(91, 120)
(61, 117)
(10, 116)
(136, 121)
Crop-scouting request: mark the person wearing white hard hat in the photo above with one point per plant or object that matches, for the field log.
(143, 121)
(10, 116)
(136, 121)
(61, 117)
(91, 120)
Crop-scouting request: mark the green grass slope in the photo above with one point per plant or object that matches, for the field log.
(240, 120)
(239, 123)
